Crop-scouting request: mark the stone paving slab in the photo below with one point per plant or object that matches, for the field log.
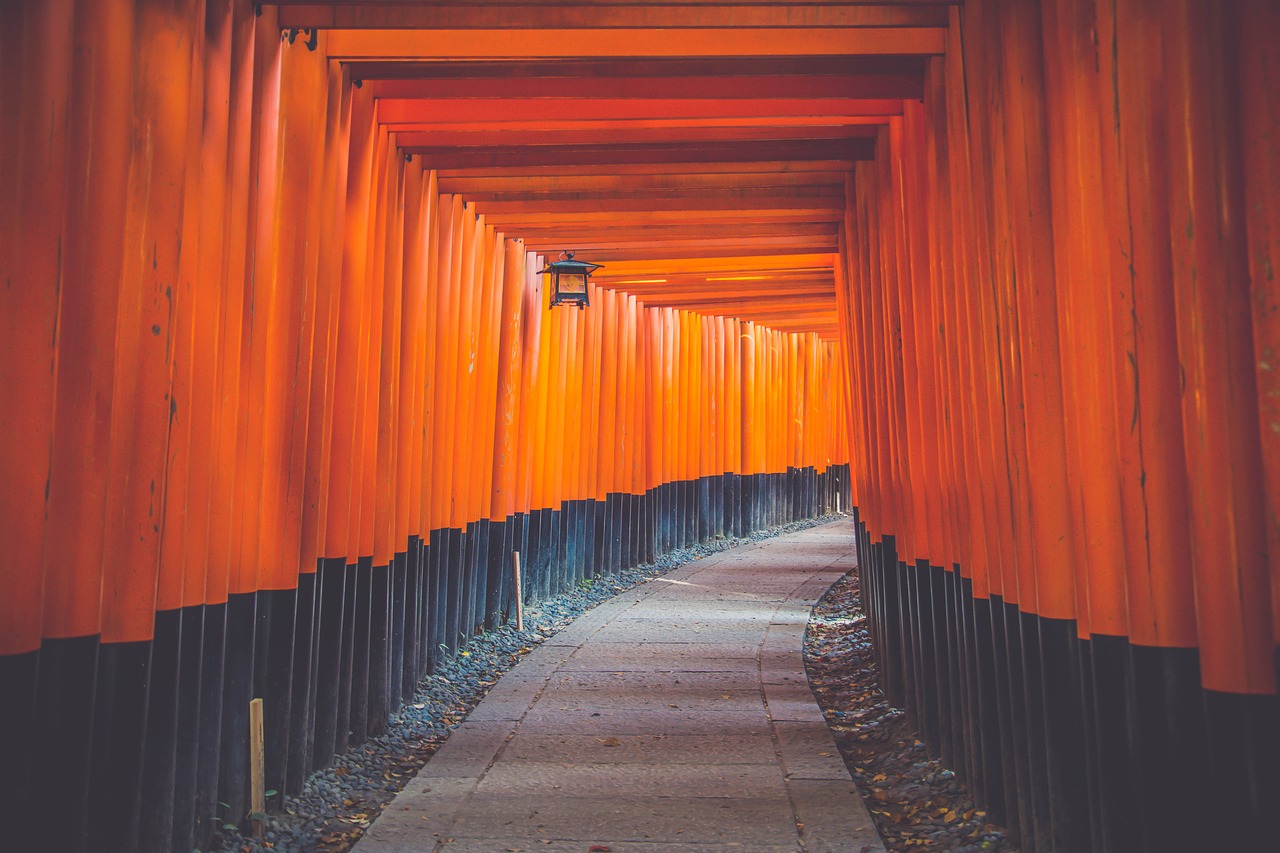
(793, 710)
(638, 780)
(675, 604)
(661, 721)
(497, 845)
(675, 697)
(690, 660)
(631, 633)
(469, 751)
(675, 653)
(693, 697)
(757, 820)
(827, 827)
(737, 748)
(799, 759)
(675, 717)
(645, 683)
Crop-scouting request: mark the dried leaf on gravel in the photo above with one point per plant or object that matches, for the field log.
(921, 804)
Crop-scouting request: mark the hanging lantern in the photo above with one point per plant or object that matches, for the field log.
(569, 279)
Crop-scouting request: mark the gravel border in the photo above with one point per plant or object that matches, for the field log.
(916, 802)
(338, 803)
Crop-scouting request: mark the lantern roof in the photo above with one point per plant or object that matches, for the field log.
(567, 264)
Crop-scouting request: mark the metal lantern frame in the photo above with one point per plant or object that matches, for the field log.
(568, 270)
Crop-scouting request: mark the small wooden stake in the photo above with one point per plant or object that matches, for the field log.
(515, 570)
(256, 768)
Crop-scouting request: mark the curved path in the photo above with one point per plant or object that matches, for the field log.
(676, 716)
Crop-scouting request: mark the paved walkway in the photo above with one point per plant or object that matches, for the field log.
(675, 717)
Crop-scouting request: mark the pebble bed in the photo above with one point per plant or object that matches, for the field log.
(917, 803)
(338, 803)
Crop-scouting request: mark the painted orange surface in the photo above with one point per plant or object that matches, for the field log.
(1219, 413)
(83, 356)
(330, 207)
(578, 15)
(1028, 295)
(388, 540)
(1257, 77)
(263, 522)
(140, 412)
(408, 489)
(494, 43)
(892, 80)
(504, 499)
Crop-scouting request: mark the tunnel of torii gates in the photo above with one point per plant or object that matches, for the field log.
(282, 390)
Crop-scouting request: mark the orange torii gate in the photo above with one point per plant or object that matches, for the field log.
(283, 392)
(304, 406)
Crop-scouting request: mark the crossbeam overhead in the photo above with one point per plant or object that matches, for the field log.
(443, 45)
(642, 133)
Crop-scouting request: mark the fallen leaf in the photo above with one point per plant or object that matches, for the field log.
(610, 741)
(600, 848)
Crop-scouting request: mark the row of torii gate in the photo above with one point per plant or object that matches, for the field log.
(284, 388)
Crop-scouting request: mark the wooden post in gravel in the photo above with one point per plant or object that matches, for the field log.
(257, 790)
(515, 571)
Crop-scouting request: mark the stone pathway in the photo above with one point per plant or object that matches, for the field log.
(674, 717)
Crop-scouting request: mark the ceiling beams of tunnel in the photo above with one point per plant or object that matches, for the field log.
(698, 149)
